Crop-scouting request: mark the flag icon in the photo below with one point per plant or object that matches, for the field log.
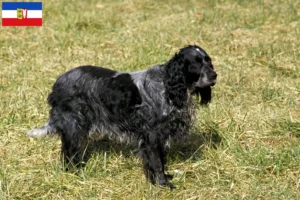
(22, 14)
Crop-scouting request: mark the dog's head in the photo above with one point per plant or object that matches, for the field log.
(199, 69)
(200, 74)
(191, 69)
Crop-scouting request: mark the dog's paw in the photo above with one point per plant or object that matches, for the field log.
(171, 186)
(165, 183)
(169, 176)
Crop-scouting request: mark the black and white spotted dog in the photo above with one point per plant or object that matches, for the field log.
(148, 107)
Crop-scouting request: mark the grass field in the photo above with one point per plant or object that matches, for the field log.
(246, 144)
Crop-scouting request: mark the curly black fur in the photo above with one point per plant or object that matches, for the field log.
(175, 83)
(205, 94)
(146, 107)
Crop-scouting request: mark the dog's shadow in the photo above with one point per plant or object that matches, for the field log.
(190, 148)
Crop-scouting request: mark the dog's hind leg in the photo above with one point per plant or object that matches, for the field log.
(153, 155)
(74, 146)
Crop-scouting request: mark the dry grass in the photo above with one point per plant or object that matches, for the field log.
(246, 144)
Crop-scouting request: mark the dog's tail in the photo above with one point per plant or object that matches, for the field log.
(42, 131)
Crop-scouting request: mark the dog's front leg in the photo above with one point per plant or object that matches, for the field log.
(153, 155)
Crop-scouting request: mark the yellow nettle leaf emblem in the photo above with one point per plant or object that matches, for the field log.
(19, 13)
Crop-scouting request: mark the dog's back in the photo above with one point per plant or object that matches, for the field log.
(92, 97)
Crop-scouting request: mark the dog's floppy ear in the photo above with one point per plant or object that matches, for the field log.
(175, 81)
(205, 94)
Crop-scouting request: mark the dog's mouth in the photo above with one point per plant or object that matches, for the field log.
(213, 82)
(206, 84)
(195, 90)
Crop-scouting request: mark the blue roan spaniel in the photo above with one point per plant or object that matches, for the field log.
(147, 108)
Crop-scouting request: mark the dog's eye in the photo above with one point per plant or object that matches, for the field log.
(207, 59)
(199, 60)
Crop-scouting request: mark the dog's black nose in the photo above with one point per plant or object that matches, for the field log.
(213, 75)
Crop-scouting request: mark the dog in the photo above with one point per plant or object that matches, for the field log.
(149, 107)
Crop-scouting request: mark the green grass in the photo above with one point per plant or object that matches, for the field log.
(246, 144)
